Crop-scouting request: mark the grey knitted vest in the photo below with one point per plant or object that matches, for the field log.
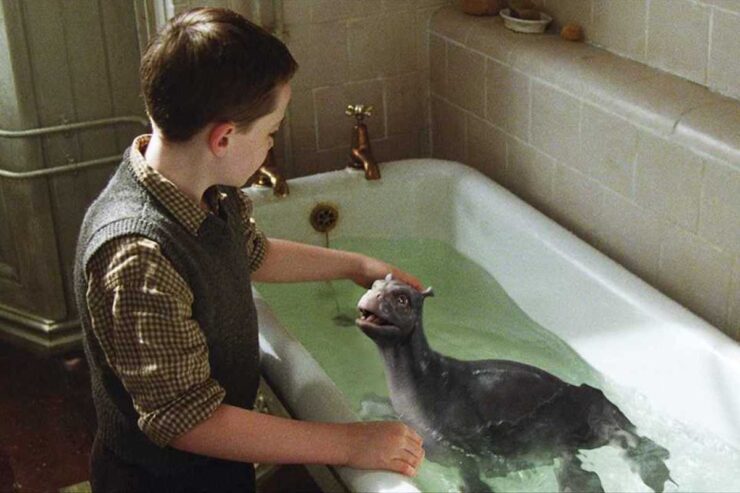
(215, 266)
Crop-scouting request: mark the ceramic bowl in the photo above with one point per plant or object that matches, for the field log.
(524, 25)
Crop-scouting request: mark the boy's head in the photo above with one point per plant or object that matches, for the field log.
(211, 65)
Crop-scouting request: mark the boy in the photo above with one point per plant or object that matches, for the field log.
(165, 259)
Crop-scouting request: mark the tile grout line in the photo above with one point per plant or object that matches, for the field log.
(709, 46)
(651, 130)
(645, 49)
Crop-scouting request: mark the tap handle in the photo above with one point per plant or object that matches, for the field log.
(359, 111)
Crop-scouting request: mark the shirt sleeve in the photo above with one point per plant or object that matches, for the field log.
(141, 313)
(256, 239)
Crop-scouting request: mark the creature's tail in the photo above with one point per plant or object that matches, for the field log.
(644, 456)
(647, 458)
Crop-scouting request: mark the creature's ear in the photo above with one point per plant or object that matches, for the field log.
(428, 292)
(389, 277)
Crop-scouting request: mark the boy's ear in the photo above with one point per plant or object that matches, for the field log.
(218, 138)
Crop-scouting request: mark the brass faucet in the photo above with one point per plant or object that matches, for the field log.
(267, 176)
(361, 155)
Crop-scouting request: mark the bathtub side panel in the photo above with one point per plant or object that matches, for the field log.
(623, 327)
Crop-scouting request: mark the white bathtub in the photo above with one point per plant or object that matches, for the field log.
(628, 331)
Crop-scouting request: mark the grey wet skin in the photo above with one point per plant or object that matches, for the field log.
(509, 415)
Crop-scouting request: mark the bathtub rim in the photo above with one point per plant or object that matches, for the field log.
(565, 242)
(585, 257)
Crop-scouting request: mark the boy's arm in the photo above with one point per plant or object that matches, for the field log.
(238, 434)
(288, 261)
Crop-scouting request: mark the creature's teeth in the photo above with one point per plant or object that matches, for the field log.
(369, 316)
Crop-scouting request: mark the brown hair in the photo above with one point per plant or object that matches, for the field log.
(211, 65)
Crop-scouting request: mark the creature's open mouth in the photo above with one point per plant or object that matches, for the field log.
(369, 321)
(370, 317)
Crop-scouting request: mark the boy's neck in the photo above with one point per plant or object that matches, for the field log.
(183, 163)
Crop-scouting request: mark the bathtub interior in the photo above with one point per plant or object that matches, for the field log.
(628, 332)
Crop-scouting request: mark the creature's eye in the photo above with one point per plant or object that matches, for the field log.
(402, 300)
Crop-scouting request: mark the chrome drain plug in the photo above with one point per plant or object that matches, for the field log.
(324, 217)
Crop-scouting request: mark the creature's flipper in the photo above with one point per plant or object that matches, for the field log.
(573, 478)
(647, 459)
(471, 478)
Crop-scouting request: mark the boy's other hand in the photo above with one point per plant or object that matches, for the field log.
(372, 269)
(387, 445)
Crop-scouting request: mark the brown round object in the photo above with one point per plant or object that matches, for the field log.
(572, 32)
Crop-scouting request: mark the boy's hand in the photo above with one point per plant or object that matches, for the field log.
(388, 445)
(372, 269)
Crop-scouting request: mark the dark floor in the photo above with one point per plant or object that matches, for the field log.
(47, 423)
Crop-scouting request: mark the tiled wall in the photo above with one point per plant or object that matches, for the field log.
(695, 39)
(613, 150)
(586, 137)
(371, 52)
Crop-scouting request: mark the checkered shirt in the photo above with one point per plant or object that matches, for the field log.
(140, 311)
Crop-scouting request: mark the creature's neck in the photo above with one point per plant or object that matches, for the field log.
(409, 363)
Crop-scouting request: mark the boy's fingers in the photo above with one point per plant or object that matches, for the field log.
(415, 437)
(404, 467)
(415, 451)
(413, 458)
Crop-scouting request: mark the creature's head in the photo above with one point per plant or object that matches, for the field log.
(390, 310)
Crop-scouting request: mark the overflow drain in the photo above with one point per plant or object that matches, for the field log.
(324, 217)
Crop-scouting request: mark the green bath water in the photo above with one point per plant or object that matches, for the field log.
(471, 317)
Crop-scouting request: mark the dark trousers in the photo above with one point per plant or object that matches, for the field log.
(109, 474)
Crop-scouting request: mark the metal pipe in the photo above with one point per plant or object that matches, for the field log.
(58, 169)
(279, 17)
(39, 323)
(278, 12)
(68, 127)
(257, 13)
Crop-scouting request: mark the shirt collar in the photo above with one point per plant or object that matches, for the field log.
(186, 212)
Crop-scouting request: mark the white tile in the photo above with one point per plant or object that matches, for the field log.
(405, 97)
(724, 69)
(487, 148)
(381, 45)
(678, 37)
(733, 319)
(608, 148)
(631, 235)
(448, 131)
(668, 180)
(507, 99)
(576, 202)
(720, 206)
(620, 26)
(696, 274)
(438, 65)
(530, 174)
(555, 123)
(466, 79)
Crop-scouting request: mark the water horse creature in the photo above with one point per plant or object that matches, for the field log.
(495, 416)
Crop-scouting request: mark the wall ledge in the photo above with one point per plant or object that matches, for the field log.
(684, 112)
